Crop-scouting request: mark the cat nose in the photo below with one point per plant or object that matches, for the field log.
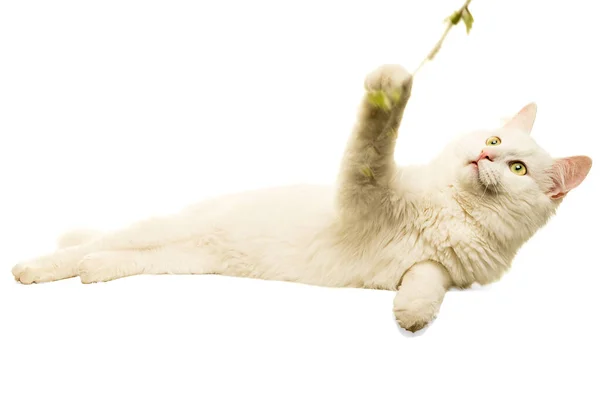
(485, 155)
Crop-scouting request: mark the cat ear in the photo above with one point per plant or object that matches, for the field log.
(567, 174)
(524, 119)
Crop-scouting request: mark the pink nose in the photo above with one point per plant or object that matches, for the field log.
(485, 155)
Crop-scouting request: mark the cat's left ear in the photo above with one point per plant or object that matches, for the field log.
(567, 174)
(524, 119)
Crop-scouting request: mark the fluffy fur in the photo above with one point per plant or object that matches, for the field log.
(418, 230)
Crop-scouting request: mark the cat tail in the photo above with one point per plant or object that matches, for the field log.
(77, 237)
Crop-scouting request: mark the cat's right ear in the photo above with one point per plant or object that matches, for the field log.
(524, 119)
(567, 174)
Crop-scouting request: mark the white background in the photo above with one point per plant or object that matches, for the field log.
(112, 111)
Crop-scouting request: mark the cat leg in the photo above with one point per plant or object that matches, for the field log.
(61, 264)
(183, 258)
(420, 294)
(368, 166)
(147, 234)
(77, 237)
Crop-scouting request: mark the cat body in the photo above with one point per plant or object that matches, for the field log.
(420, 230)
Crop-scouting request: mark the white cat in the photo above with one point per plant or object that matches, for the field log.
(418, 230)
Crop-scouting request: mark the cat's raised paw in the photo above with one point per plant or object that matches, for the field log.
(392, 80)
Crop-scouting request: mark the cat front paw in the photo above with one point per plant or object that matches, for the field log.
(415, 314)
(390, 82)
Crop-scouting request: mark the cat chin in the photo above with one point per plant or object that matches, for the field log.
(478, 181)
(488, 179)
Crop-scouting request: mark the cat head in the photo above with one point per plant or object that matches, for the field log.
(507, 173)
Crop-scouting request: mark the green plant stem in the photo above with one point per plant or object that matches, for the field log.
(439, 43)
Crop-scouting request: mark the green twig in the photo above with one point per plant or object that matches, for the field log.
(463, 14)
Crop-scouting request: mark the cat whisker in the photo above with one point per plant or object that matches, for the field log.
(503, 187)
(484, 190)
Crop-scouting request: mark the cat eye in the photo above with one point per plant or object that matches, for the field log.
(493, 141)
(518, 168)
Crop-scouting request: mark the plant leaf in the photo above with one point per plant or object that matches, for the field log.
(454, 18)
(379, 99)
(468, 19)
(367, 171)
(396, 95)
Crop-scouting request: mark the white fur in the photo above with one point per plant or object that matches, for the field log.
(446, 223)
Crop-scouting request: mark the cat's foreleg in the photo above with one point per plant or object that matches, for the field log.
(420, 294)
(368, 166)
